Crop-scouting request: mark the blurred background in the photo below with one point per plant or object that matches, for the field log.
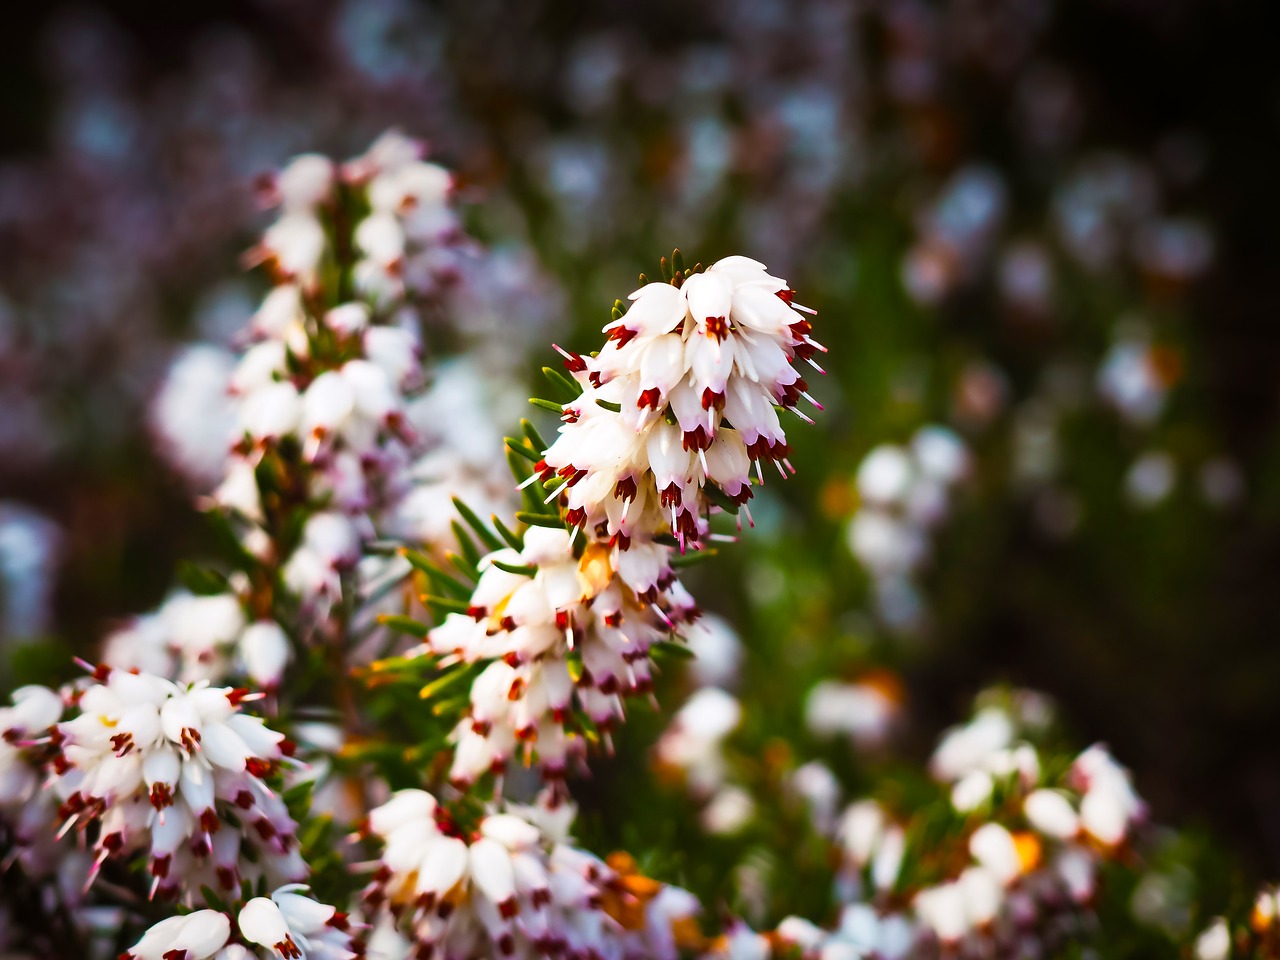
(1041, 237)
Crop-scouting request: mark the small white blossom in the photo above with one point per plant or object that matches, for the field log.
(194, 936)
(304, 184)
(717, 651)
(193, 416)
(728, 812)
(265, 652)
(1051, 813)
(693, 742)
(865, 712)
(1215, 942)
(296, 927)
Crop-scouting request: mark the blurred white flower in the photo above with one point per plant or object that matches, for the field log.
(1151, 479)
(193, 416)
(865, 712)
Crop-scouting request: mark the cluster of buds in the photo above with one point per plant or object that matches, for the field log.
(559, 626)
(515, 886)
(192, 638)
(681, 402)
(287, 925)
(178, 772)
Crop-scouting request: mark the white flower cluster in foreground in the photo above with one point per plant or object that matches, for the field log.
(682, 400)
(516, 887)
(905, 494)
(288, 925)
(559, 629)
(180, 774)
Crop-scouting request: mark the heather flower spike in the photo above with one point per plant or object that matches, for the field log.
(681, 402)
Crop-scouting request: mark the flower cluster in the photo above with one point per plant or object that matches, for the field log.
(410, 241)
(1014, 868)
(405, 242)
(560, 627)
(315, 439)
(287, 925)
(180, 773)
(681, 402)
(1029, 849)
(324, 411)
(515, 886)
(671, 414)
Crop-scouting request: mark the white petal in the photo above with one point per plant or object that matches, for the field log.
(444, 863)
(492, 871)
(262, 922)
(512, 832)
